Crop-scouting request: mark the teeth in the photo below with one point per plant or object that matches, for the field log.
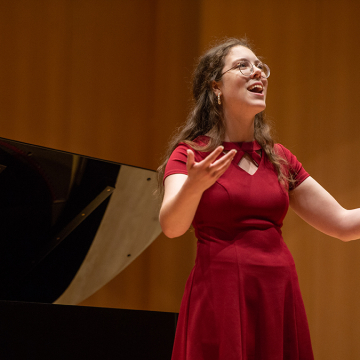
(255, 86)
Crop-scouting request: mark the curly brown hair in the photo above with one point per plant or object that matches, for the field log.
(206, 116)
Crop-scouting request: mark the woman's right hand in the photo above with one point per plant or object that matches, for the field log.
(204, 174)
(183, 192)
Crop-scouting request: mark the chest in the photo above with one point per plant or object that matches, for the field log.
(239, 196)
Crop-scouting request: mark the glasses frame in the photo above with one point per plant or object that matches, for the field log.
(251, 71)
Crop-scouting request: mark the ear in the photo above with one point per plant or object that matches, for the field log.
(216, 87)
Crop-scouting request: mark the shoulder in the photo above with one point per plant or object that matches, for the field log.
(285, 153)
(281, 150)
(194, 145)
(200, 141)
(292, 164)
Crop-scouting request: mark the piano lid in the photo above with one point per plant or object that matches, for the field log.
(69, 223)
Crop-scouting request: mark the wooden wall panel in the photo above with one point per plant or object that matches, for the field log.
(78, 75)
(157, 278)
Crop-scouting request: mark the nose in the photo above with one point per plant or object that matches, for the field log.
(256, 72)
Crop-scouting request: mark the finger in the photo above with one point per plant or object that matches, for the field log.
(210, 158)
(228, 157)
(222, 168)
(224, 163)
(190, 159)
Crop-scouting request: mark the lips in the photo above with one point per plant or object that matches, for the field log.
(256, 88)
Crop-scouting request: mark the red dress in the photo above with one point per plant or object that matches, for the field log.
(242, 300)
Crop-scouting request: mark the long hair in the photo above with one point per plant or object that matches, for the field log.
(206, 117)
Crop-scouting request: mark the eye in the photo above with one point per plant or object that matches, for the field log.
(244, 64)
(260, 66)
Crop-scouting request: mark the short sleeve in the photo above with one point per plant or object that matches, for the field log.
(295, 167)
(177, 161)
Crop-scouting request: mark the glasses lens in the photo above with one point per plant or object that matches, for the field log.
(245, 67)
(265, 71)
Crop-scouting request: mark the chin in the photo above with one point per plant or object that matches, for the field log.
(260, 108)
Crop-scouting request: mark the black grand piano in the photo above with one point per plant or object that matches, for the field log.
(68, 225)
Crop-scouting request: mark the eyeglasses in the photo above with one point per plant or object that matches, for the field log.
(247, 68)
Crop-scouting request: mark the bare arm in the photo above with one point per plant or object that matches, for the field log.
(183, 192)
(318, 208)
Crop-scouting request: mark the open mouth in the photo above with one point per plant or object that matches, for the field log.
(256, 88)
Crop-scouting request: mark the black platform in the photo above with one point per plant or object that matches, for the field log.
(47, 331)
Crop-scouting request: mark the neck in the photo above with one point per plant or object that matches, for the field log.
(239, 130)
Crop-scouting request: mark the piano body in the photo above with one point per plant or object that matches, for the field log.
(69, 224)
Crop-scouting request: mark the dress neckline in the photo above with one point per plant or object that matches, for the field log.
(243, 145)
(251, 148)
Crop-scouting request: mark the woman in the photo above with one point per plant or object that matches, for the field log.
(226, 176)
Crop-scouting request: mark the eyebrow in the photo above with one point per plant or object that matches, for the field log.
(235, 62)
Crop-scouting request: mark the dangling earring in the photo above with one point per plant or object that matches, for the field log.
(219, 100)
